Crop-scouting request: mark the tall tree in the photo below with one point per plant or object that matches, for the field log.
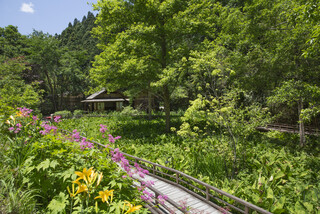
(14, 92)
(144, 43)
(12, 43)
(45, 55)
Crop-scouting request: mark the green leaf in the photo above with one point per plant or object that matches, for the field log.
(280, 174)
(308, 206)
(270, 193)
(58, 203)
(53, 164)
(299, 208)
(44, 165)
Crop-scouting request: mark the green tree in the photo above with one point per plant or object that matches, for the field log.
(44, 55)
(303, 96)
(12, 43)
(14, 92)
(144, 43)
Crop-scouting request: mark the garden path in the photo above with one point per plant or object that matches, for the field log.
(184, 200)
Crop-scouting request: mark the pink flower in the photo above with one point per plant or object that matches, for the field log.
(140, 171)
(113, 139)
(103, 129)
(147, 196)
(18, 125)
(86, 144)
(17, 130)
(162, 199)
(25, 112)
(75, 135)
(11, 129)
(116, 155)
(47, 128)
(57, 119)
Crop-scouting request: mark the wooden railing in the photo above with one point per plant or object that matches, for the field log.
(292, 128)
(203, 191)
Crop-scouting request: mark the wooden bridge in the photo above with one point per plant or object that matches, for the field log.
(186, 194)
(289, 129)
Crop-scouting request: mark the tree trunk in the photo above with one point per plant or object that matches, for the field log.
(166, 100)
(51, 90)
(149, 105)
(301, 124)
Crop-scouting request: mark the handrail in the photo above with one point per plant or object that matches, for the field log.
(178, 175)
(289, 128)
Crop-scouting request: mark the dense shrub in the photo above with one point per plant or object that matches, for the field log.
(63, 114)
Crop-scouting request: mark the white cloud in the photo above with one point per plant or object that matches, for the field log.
(27, 8)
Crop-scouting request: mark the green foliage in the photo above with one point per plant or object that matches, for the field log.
(78, 113)
(41, 167)
(128, 110)
(63, 114)
(281, 180)
(291, 92)
(12, 43)
(14, 91)
(58, 203)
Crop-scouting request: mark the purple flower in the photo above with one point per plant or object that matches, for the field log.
(162, 199)
(86, 144)
(116, 155)
(25, 112)
(17, 130)
(140, 171)
(57, 119)
(75, 135)
(103, 129)
(18, 125)
(34, 118)
(47, 128)
(113, 139)
(147, 196)
(11, 129)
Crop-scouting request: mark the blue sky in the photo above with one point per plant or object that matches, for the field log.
(49, 16)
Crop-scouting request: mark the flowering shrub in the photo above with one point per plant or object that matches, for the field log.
(42, 159)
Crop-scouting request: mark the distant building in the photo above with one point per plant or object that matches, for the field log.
(103, 101)
(114, 101)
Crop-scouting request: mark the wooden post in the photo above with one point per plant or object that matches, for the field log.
(246, 210)
(301, 124)
(51, 118)
(177, 178)
(155, 198)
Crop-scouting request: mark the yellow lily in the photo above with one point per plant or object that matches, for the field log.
(84, 174)
(81, 187)
(104, 195)
(19, 114)
(92, 178)
(131, 207)
(12, 118)
(72, 194)
(99, 178)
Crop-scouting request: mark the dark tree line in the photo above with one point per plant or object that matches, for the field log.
(54, 67)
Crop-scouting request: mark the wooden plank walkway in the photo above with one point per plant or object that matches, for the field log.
(181, 197)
